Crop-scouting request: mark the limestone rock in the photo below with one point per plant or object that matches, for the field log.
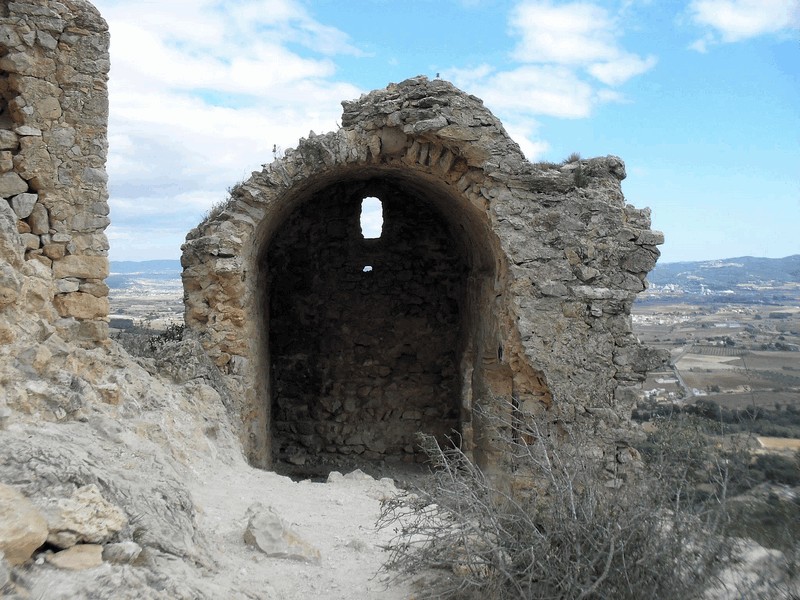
(23, 204)
(22, 527)
(275, 538)
(122, 553)
(6, 161)
(143, 483)
(87, 267)
(39, 220)
(30, 241)
(8, 140)
(78, 558)
(65, 286)
(12, 184)
(81, 305)
(84, 517)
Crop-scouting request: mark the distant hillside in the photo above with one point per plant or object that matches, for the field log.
(128, 272)
(711, 275)
(728, 273)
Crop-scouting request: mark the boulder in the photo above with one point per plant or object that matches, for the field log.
(275, 538)
(84, 517)
(78, 558)
(22, 527)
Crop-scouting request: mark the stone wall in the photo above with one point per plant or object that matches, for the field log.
(365, 333)
(552, 259)
(53, 119)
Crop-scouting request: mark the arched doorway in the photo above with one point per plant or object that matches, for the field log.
(366, 332)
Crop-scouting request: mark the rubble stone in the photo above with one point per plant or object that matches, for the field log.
(78, 558)
(273, 536)
(22, 527)
(83, 517)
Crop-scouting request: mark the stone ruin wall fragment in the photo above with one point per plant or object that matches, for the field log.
(550, 256)
(54, 65)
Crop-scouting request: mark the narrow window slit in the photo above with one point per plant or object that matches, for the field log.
(371, 218)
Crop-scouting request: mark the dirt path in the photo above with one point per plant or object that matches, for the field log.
(338, 518)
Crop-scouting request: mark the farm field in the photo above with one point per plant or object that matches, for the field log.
(739, 356)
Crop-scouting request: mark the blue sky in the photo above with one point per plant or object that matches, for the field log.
(699, 97)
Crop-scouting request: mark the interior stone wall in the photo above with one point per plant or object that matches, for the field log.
(53, 124)
(365, 334)
(552, 260)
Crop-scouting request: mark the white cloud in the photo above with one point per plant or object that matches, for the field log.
(736, 20)
(525, 133)
(621, 69)
(200, 92)
(574, 33)
(581, 35)
(539, 89)
(563, 52)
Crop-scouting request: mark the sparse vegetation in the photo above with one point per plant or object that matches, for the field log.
(555, 531)
(720, 420)
(546, 164)
(218, 207)
(145, 342)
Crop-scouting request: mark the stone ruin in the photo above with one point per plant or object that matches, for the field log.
(53, 122)
(497, 287)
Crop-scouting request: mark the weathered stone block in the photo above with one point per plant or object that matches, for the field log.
(64, 286)
(8, 140)
(23, 204)
(78, 558)
(30, 241)
(80, 305)
(12, 184)
(85, 267)
(23, 528)
(6, 161)
(39, 220)
(95, 288)
(55, 251)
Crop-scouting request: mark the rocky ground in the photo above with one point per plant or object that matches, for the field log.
(118, 482)
(123, 477)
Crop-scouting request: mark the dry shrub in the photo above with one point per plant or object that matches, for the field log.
(553, 529)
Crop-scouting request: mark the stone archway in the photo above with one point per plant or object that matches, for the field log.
(549, 259)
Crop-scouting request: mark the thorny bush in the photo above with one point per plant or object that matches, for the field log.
(554, 529)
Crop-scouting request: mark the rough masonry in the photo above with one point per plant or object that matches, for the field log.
(53, 122)
(497, 287)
